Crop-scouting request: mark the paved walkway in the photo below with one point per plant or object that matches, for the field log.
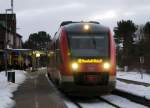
(36, 92)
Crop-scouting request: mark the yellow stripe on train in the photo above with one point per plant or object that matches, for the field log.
(89, 60)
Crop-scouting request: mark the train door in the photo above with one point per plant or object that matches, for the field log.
(58, 54)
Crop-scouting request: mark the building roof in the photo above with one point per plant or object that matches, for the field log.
(9, 15)
(18, 35)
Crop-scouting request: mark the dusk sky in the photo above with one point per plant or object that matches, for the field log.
(46, 15)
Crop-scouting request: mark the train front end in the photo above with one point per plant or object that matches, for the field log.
(88, 55)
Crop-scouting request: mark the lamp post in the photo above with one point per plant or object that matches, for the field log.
(12, 5)
(37, 58)
(33, 60)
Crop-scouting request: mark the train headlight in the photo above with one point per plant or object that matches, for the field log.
(74, 66)
(106, 65)
(86, 27)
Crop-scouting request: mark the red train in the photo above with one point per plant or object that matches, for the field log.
(83, 59)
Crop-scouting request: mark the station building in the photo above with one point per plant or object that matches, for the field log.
(9, 40)
(8, 36)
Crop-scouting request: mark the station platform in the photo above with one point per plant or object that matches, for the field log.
(37, 92)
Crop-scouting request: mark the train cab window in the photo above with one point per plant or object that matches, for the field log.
(89, 45)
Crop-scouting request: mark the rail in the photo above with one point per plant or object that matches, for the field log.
(132, 97)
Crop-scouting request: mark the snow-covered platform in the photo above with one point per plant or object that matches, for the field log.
(7, 88)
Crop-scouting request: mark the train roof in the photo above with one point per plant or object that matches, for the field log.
(77, 27)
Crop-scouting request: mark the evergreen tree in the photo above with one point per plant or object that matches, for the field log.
(38, 41)
(125, 32)
(147, 31)
(146, 44)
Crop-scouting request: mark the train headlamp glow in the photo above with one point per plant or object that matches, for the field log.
(74, 66)
(106, 65)
(86, 27)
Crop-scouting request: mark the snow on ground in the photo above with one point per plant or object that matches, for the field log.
(138, 90)
(134, 75)
(70, 104)
(95, 104)
(7, 88)
(122, 102)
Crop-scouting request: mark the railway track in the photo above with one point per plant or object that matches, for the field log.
(108, 101)
(105, 101)
(134, 82)
(90, 103)
(98, 100)
(138, 99)
(132, 97)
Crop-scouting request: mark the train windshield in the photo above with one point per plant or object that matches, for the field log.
(89, 45)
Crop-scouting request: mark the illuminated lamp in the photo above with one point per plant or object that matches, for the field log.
(86, 27)
(37, 55)
(106, 65)
(74, 66)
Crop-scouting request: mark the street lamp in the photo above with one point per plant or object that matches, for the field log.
(37, 56)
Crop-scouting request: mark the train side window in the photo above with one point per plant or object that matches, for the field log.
(58, 58)
(57, 55)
